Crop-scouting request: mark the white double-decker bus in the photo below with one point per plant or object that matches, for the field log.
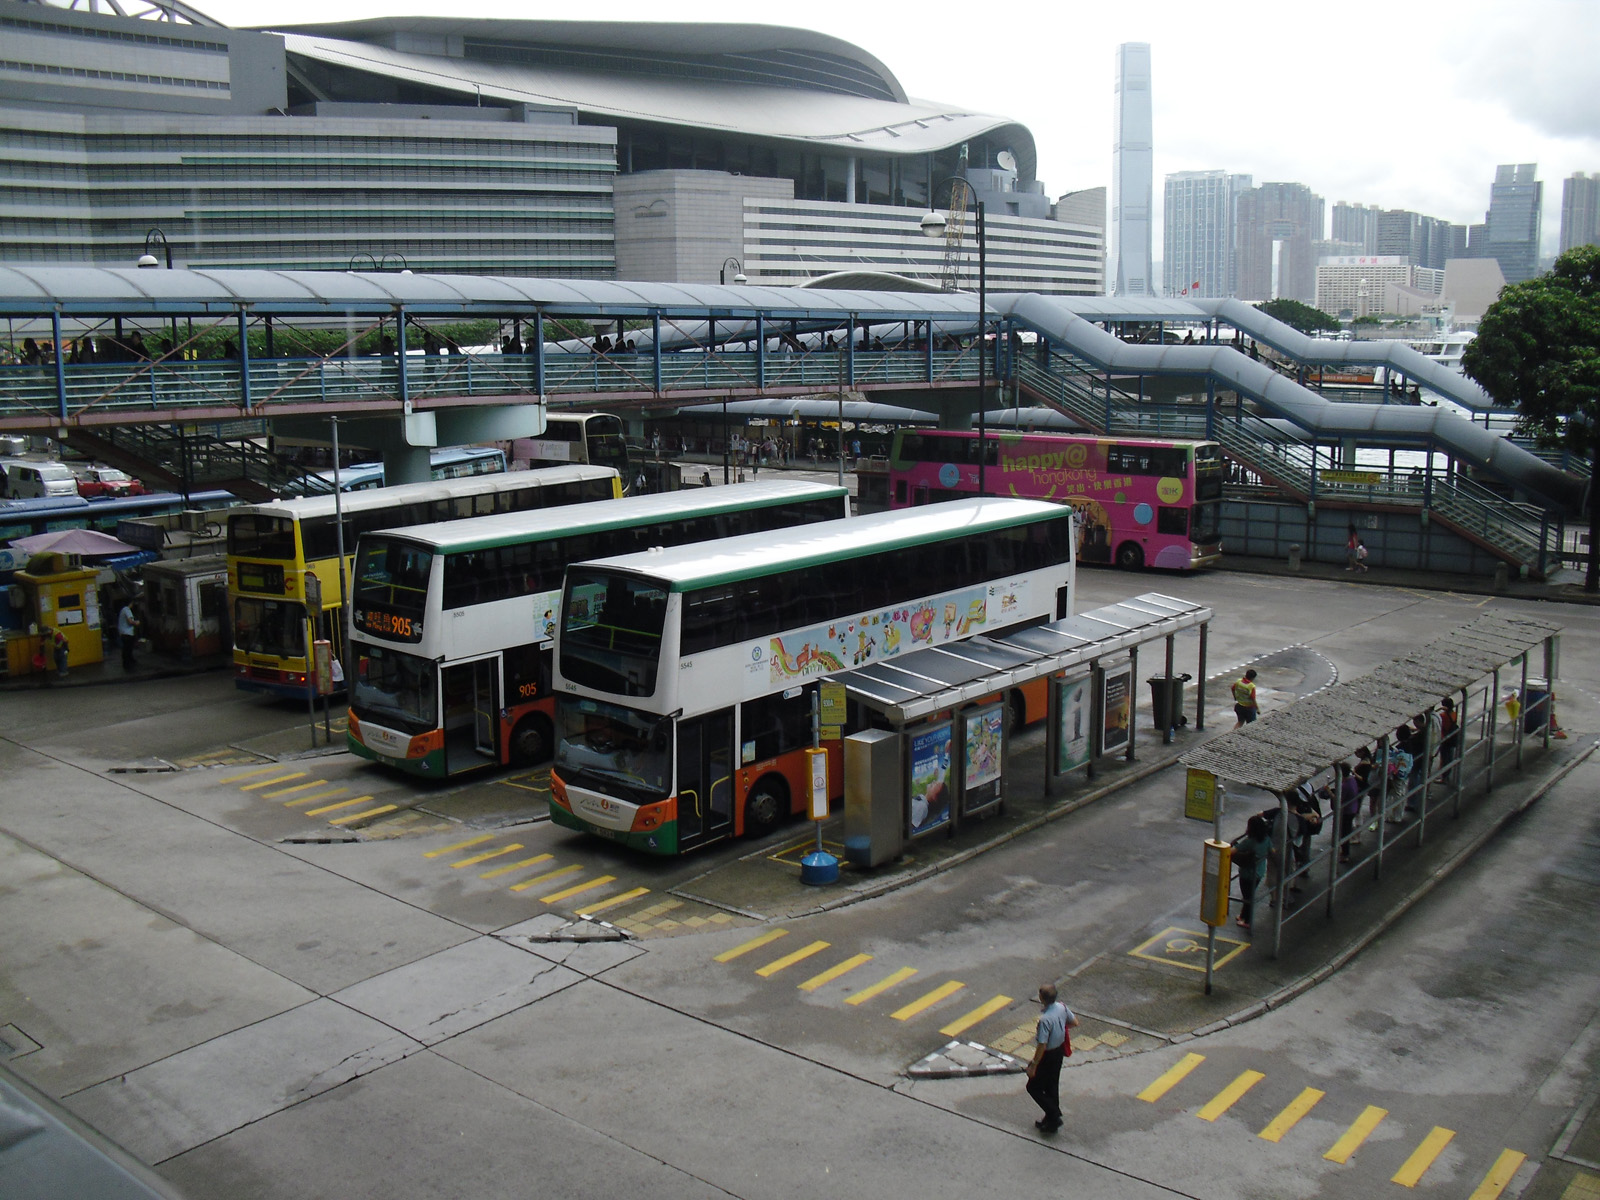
(451, 623)
(682, 705)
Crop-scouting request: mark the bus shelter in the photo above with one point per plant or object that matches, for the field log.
(941, 701)
(1476, 671)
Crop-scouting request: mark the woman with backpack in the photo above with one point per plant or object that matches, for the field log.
(1250, 852)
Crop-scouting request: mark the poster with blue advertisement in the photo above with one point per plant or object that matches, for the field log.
(928, 802)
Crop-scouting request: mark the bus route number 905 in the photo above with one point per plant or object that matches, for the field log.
(385, 624)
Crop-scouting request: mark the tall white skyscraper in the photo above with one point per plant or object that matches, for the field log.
(1197, 232)
(1132, 175)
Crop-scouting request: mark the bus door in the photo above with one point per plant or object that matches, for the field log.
(471, 706)
(705, 779)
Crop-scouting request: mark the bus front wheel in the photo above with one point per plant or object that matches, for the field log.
(531, 740)
(1130, 557)
(766, 806)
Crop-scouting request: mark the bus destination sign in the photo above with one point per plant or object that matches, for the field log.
(388, 625)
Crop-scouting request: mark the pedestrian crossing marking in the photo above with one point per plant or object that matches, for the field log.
(253, 774)
(586, 886)
(985, 1010)
(1360, 1130)
(788, 960)
(1290, 1116)
(443, 850)
(546, 877)
(486, 856)
(516, 866)
(315, 796)
(754, 943)
(1171, 1078)
(924, 1002)
(883, 985)
(289, 791)
(1506, 1166)
(327, 808)
(614, 901)
(1422, 1157)
(1229, 1096)
(261, 783)
(834, 972)
(360, 816)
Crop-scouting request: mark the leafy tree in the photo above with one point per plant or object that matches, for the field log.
(1301, 316)
(1538, 349)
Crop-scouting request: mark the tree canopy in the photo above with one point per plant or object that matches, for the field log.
(1301, 316)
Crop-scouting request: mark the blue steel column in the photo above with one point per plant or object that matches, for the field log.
(244, 358)
(538, 353)
(61, 365)
(400, 349)
(655, 348)
(761, 351)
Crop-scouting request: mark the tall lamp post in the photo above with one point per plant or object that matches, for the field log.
(738, 271)
(934, 226)
(147, 261)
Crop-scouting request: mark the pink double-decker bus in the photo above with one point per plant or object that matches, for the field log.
(1141, 502)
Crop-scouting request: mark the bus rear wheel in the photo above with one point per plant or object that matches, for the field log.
(1130, 557)
(765, 806)
(532, 740)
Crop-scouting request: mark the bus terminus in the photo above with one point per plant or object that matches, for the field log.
(682, 706)
(452, 623)
(1141, 502)
(273, 548)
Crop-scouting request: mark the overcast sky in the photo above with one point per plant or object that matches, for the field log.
(1402, 104)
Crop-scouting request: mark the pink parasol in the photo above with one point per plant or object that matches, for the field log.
(85, 543)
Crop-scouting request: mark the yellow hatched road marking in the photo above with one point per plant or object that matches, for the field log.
(961, 1024)
(516, 866)
(289, 791)
(487, 855)
(754, 943)
(927, 1001)
(788, 960)
(1360, 1130)
(253, 774)
(261, 783)
(588, 886)
(315, 796)
(371, 812)
(443, 850)
(1172, 1078)
(883, 985)
(614, 901)
(1228, 1096)
(1290, 1116)
(546, 877)
(1422, 1157)
(832, 973)
(1507, 1165)
(326, 808)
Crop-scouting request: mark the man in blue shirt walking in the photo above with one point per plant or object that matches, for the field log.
(1049, 1048)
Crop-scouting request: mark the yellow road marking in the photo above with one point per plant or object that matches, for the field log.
(1360, 1130)
(443, 850)
(754, 943)
(1172, 1078)
(832, 973)
(589, 886)
(315, 796)
(925, 1002)
(253, 774)
(487, 855)
(259, 784)
(883, 985)
(289, 791)
(516, 866)
(1287, 1119)
(1228, 1096)
(326, 808)
(1507, 1165)
(371, 812)
(615, 900)
(1422, 1157)
(788, 960)
(546, 877)
(961, 1024)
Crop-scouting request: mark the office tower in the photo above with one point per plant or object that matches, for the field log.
(1356, 224)
(1132, 175)
(1279, 225)
(1424, 241)
(1580, 211)
(1197, 232)
(1515, 203)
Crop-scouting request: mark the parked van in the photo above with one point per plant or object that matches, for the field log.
(35, 480)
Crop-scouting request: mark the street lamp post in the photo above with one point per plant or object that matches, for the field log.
(934, 226)
(152, 238)
(738, 271)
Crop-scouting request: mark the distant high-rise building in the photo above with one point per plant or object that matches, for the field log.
(1580, 211)
(1358, 224)
(1132, 175)
(1516, 201)
(1279, 226)
(1197, 232)
(1424, 241)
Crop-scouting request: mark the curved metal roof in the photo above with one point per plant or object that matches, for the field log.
(814, 406)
